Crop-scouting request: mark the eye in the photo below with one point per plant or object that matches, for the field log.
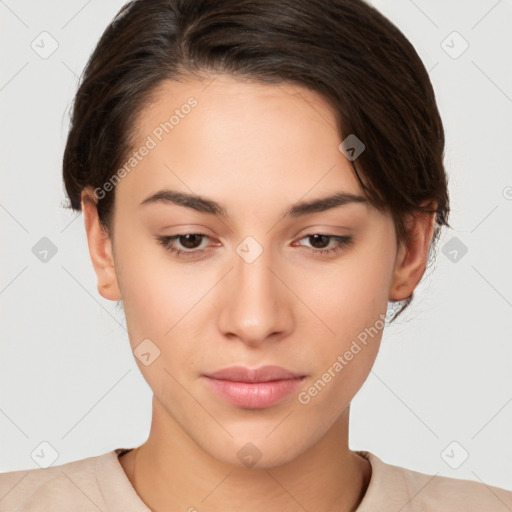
(324, 239)
(190, 242)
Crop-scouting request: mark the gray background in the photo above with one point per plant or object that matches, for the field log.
(443, 375)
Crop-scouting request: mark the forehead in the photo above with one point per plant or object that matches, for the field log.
(225, 103)
(221, 134)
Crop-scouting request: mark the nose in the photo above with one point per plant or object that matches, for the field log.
(256, 305)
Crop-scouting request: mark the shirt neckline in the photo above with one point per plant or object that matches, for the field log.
(120, 495)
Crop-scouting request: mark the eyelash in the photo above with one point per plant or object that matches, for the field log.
(341, 243)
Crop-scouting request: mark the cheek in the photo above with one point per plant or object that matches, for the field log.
(169, 303)
(349, 295)
(156, 294)
(159, 307)
(351, 300)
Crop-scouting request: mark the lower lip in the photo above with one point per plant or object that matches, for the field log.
(254, 395)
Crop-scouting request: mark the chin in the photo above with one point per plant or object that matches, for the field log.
(259, 449)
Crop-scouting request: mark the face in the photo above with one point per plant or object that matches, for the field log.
(253, 285)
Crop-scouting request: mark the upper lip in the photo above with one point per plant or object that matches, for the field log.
(262, 374)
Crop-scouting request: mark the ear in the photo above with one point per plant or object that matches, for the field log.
(412, 255)
(100, 249)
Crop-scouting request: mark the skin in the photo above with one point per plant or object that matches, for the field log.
(256, 149)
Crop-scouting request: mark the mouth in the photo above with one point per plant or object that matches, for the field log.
(258, 388)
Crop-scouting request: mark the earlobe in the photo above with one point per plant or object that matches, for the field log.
(412, 256)
(100, 250)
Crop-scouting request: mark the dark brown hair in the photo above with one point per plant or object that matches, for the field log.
(345, 50)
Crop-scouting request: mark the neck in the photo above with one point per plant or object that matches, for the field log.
(170, 472)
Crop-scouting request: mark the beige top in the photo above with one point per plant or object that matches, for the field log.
(100, 484)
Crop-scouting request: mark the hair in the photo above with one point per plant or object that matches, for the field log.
(358, 61)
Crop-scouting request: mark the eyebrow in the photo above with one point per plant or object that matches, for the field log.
(203, 205)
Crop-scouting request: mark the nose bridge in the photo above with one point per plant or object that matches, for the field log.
(255, 306)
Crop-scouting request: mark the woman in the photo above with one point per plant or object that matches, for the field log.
(259, 179)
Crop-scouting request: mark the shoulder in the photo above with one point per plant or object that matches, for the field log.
(63, 487)
(407, 490)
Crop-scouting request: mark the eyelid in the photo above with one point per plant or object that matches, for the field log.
(328, 229)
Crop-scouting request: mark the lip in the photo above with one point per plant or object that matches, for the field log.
(261, 374)
(254, 388)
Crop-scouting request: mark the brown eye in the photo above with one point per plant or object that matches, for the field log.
(321, 240)
(183, 244)
(190, 241)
